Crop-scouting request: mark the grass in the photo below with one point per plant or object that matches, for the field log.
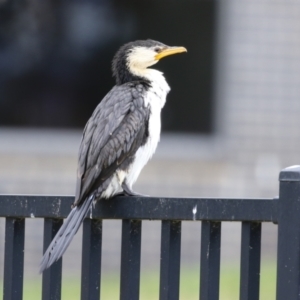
(229, 285)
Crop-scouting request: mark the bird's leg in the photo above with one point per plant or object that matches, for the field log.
(129, 192)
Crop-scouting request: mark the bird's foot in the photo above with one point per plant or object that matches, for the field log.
(121, 194)
(131, 194)
(127, 191)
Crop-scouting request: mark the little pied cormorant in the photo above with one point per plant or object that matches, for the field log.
(120, 137)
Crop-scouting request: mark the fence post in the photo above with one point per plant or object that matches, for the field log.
(288, 257)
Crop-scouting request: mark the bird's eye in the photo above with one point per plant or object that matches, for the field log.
(157, 49)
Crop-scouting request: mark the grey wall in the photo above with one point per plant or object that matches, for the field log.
(258, 83)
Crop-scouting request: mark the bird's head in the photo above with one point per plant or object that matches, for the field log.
(132, 59)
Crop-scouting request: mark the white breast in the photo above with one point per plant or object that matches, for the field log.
(155, 98)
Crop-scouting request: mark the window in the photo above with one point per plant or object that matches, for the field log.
(56, 57)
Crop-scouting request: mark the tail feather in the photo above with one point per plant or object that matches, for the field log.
(65, 234)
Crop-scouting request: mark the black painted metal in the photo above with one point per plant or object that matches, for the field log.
(210, 260)
(257, 210)
(250, 261)
(170, 260)
(51, 286)
(130, 259)
(284, 210)
(288, 256)
(91, 259)
(14, 259)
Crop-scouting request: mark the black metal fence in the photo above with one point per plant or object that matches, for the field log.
(283, 210)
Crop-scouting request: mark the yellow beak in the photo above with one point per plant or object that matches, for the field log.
(169, 51)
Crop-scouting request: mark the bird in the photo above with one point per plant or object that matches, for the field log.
(120, 137)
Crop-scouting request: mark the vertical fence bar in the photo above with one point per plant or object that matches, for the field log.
(210, 260)
(51, 287)
(14, 259)
(130, 259)
(170, 260)
(250, 261)
(288, 255)
(91, 259)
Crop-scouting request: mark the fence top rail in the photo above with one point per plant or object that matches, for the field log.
(144, 208)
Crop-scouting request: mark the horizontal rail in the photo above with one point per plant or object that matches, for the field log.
(141, 208)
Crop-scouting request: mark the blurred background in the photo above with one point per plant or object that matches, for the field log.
(231, 122)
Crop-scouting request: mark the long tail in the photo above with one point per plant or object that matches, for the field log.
(65, 234)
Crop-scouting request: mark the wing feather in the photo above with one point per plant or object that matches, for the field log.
(111, 137)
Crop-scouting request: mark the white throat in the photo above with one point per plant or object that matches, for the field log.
(156, 78)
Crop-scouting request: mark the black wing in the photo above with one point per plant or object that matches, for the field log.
(117, 128)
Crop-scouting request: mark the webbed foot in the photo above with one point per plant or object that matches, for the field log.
(129, 192)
